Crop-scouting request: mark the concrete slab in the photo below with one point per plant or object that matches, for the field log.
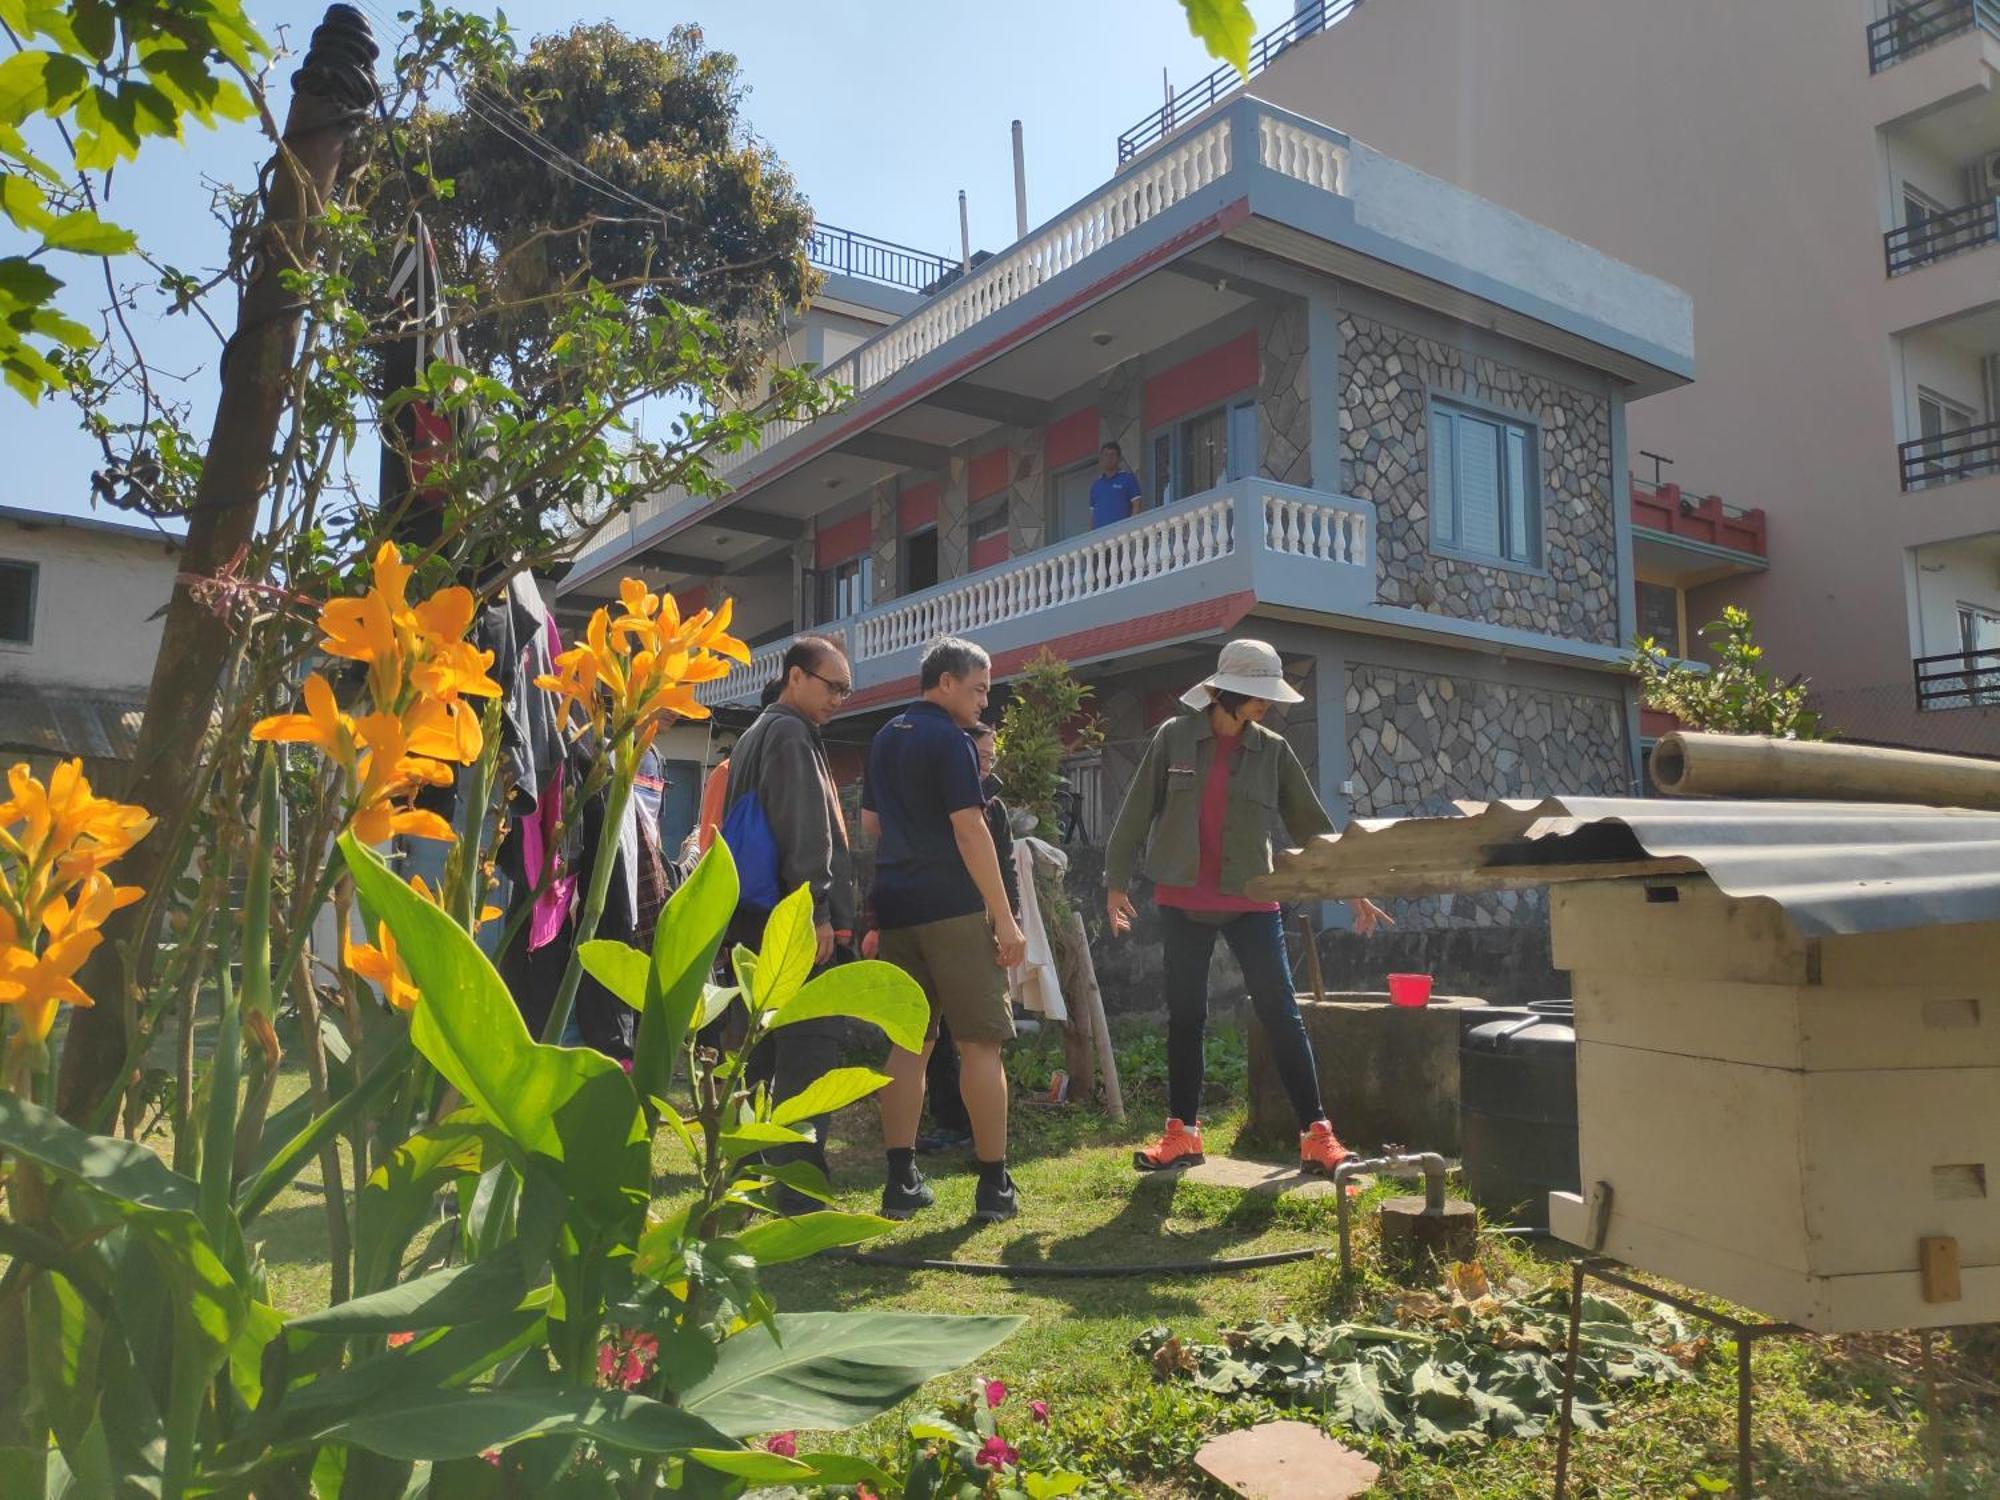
(1263, 1177)
(1287, 1461)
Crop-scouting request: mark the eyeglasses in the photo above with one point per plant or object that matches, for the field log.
(841, 691)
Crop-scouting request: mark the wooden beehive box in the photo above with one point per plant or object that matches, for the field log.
(1793, 1123)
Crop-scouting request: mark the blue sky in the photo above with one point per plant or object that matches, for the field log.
(883, 110)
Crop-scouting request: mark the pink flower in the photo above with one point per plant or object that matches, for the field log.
(784, 1444)
(998, 1453)
(607, 1360)
(862, 1492)
(397, 1340)
(632, 1371)
(492, 1456)
(646, 1346)
(1039, 1410)
(996, 1392)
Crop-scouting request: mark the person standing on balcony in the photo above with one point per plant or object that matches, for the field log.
(1115, 492)
(780, 761)
(941, 907)
(1200, 806)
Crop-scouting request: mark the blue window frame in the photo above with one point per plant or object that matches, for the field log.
(1486, 489)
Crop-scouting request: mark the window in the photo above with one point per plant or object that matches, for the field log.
(1660, 615)
(1979, 632)
(1485, 485)
(845, 589)
(17, 603)
(920, 560)
(1202, 451)
(1919, 208)
(1938, 417)
(1073, 500)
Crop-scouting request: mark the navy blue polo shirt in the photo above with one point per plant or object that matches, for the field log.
(1111, 497)
(921, 770)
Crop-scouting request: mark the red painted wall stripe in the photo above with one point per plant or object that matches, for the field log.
(1210, 377)
(692, 601)
(917, 507)
(989, 551)
(843, 540)
(988, 474)
(1071, 439)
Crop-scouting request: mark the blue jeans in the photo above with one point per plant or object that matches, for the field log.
(1258, 940)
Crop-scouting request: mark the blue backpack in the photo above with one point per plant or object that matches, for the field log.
(752, 845)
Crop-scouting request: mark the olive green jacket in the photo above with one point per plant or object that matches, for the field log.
(1162, 810)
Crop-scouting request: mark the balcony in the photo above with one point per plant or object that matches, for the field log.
(1910, 29)
(1949, 234)
(1958, 679)
(846, 253)
(1687, 539)
(1137, 583)
(1949, 456)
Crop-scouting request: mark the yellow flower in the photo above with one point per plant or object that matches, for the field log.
(629, 673)
(322, 725)
(382, 966)
(62, 833)
(37, 985)
(388, 773)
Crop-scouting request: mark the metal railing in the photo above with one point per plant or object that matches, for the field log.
(1910, 28)
(1224, 81)
(850, 254)
(1949, 456)
(1958, 679)
(1948, 234)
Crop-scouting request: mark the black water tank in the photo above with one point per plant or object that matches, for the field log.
(1517, 1112)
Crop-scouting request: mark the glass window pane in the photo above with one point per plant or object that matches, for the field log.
(1203, 456)
(1243, 441)
(1444, 505)
(1521, 497)
(1479, 485)
(1660, 616)
(17, 603)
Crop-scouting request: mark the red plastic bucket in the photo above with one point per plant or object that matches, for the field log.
(1410, 989)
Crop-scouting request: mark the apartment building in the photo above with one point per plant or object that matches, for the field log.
(1821, 176)
(1377, 420)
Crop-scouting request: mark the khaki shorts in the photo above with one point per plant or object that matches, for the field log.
(954, 962)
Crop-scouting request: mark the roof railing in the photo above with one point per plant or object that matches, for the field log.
(847, 253)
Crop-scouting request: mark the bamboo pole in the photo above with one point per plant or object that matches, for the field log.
(1741, 765)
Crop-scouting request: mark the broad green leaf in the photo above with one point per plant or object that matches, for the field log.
(570, 1104)
(397, 1198)
(685, 940)
(845, 1468)
(800, 1176)
(754, 1464)
(22, 200)
(120, 1170)
(786, 955)
(1051, 1486)
(827, 1093)
(86, 234)
(619, 967)
(464, 1424)
(256, 1194)
(458, 1294)
(387, 1382)
(246, 1355)
(872, 991)
(758, 1135)
(775, 1241)
(1225, 28)
(715, 999)
(834, 1370)
(39, 83)
(1358, 1401)
(62, 1352)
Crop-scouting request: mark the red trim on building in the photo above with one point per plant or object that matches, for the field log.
(1116, 639)
(1071, 439)
(692, 600)
(1698, 518)
(1655, 722)
(988, 552)
(843, 540)
(917, 507)
(1212, 376)
(987, 475)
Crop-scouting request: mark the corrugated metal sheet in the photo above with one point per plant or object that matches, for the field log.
(49, 721)
(1835, 867)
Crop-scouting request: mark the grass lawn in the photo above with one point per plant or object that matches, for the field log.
(1836, 1418)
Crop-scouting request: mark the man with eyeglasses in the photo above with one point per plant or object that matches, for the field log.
(782, 759)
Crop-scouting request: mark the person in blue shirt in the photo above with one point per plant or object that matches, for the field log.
(1115, 492)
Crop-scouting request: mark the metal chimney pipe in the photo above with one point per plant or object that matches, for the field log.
(964, 235)
(1020, 186)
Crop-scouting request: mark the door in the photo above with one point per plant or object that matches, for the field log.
(1073, 501)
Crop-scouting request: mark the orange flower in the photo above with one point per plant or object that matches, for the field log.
(37, 985)
(388, 773)
(382, 966)
(630, 673)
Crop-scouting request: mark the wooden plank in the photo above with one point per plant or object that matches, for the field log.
(1674, 928)
(1964, 956)
(1937, 1261)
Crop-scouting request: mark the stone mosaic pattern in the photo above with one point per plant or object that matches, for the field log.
(1387, 375)
(1418, 741)
(1027, 497)
(954, 531)
(882, 540)
(1284, 397)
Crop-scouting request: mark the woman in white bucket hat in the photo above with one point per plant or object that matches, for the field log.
(1201, 807)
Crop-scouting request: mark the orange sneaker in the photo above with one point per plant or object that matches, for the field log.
(1320, 1149)
(1179, 1147)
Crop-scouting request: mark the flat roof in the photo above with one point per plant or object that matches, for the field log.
(58, 520)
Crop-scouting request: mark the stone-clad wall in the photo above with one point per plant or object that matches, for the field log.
(1284, 396)
(1387, 377)
(1417, 741)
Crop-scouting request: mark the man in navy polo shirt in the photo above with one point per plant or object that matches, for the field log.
(942, 910)
(1114, 493)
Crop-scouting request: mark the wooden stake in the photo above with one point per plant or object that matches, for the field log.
(1090, 1001)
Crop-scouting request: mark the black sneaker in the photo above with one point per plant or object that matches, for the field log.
(943, 1140)
(901, 1199)
(992, 1204)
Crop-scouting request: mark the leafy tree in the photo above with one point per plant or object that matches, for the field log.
(1224, 27)
(1045, 702)
(1736, 695)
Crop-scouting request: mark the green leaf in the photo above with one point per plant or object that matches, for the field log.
(835, 1370)
(619, 967)
(570, 1104)
(123, 1171)
(872, 991)
(685, 940)
(827, 1093)
(1358, 1401)
(23, 201)
(397, 1198)
(1051, 1486)
(458, 1294)
(1225, 28)
(758, 1135)
(786, 956)
(754, 1464)
(256, 1194)
(464, 1424)
(775, 1241)
(39, 83)
(387, 1382)
(86, 234)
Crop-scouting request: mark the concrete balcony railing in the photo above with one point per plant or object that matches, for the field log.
(1279, 542)
(1909, 29)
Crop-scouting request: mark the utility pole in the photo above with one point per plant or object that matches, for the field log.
(332, 93)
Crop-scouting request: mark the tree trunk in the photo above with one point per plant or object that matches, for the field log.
(331, 93)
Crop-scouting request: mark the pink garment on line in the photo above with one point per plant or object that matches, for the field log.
(538, 839)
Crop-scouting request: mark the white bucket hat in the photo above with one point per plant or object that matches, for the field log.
(1251, 668)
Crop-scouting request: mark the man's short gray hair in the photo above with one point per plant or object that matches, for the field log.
(951, 657)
